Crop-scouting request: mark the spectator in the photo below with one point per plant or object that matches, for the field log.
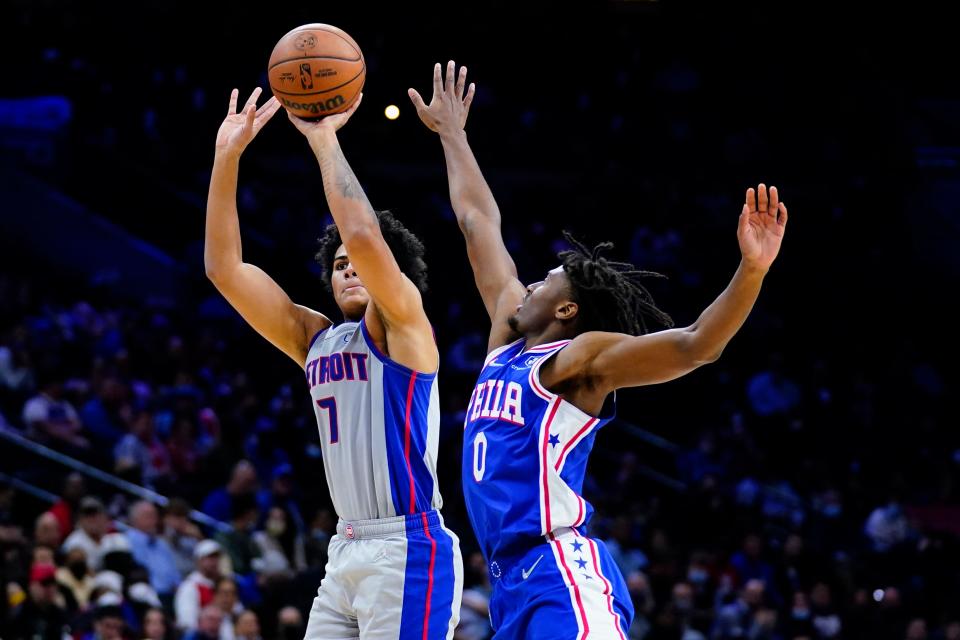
(51, 419)
(152, 551)
(76, 576)
(279, 546)
(108, 619)
(243, 480)
(238, 541)
(736, 619)
(226, 597)
(181, 534)
(141, 450)
(917, 630)
(46, 532)
(155, 625)
(247, 626)
(290, 624)
(197, 589)
(622, 549)
(748, 563)
(74, 488)
(42, 616)
(208, 625)
(887, 527)
(92, 525)
(824, 616)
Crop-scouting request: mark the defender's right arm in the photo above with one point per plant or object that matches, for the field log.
(477, 213)
(254, 294)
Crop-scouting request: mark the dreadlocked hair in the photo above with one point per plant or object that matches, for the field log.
(406, 248)
(609, 294)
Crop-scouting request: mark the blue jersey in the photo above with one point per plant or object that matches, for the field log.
(379, 426)
(525, 453)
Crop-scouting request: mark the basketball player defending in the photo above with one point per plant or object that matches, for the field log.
(558, 351)
(394, 571)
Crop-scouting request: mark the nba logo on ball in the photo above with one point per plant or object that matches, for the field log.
(329, 65)
(349, 530)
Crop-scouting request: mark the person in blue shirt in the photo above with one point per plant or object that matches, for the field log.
(151, 550)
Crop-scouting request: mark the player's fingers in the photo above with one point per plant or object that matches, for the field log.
(762, 198)
(416, 99)
(267, 111)
(252, 100)
(448, 85)
(782, 220)
(461, 81)
(774, 204)
(349, 112)
(751, 201)
(469, 99)
(437, 82)
(232, 108)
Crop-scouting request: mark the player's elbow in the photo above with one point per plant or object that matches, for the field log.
(699, 351)
(216, 271)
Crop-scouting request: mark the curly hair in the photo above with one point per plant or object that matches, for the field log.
(609, 294)
(406, 248)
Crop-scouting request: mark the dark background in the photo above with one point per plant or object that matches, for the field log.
(639, 122)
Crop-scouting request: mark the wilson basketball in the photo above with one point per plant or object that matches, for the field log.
(316, 70)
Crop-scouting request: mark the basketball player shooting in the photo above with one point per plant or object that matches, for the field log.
(558, 350)
(392, 565)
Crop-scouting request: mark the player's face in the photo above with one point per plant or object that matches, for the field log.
(539, 306)
(348, 291)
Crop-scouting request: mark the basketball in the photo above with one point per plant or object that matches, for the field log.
(316, 70)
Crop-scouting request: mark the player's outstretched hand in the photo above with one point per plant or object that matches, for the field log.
(762, 225)
(239, 129)
(449, 107)
(326, 124)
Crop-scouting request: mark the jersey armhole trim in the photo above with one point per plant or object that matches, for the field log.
(385, 359)
(313, 340)
(549, 396)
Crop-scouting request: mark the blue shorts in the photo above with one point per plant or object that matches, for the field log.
(565, 589)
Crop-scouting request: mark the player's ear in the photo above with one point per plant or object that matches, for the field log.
(566, 311)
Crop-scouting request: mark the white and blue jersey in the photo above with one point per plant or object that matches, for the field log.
(379, 426)
(394, 569)
(525, 458)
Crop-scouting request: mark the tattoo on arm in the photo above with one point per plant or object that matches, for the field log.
(339, 177)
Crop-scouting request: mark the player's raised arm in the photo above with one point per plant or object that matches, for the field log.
(476, 210)
(610, 361)
(396, 299)
(254, 294)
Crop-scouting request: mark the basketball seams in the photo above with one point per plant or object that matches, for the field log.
(315, 93)
(339, 35)
(302, 58)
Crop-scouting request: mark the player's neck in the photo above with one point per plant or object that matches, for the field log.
(552, 333)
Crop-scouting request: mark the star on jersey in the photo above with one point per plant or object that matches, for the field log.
(587, 577)
(554, 439)
(577, 545)
(582, 563)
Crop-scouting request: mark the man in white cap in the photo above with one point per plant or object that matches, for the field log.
(197, 589)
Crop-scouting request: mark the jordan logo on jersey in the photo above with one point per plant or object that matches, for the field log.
(497, 400)
(336, 367)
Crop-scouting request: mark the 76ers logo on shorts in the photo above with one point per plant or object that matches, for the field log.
(349, 531)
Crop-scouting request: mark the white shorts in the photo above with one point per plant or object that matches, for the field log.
(398, 578)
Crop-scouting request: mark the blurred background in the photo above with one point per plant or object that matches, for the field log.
(804, 486)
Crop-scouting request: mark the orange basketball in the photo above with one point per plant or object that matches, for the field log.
(316, 70)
